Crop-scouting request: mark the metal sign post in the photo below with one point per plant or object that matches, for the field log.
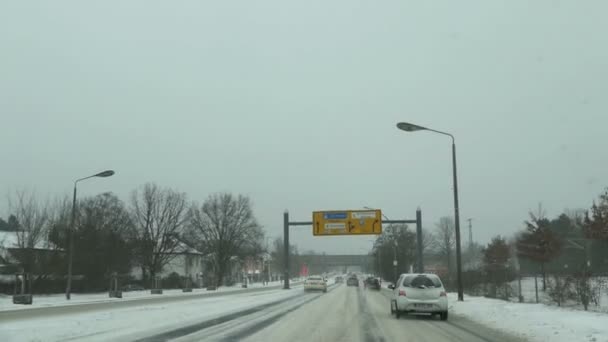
(420, 263)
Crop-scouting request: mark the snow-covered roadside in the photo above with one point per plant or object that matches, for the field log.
(529, 294)
(534, 322)
(6, 302)
(133, 322)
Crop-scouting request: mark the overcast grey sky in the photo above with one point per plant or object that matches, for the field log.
(294, 103)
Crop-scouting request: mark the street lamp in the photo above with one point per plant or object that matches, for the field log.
(68, 288)
(408, 127)
(370, 208)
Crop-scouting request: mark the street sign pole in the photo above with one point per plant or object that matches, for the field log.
(286, 250)
(420, 264)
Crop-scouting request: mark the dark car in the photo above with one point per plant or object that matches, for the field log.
(372, 283)
(132, 287)
(339, 280)
(352, 281)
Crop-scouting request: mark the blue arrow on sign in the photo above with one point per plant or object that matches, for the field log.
(335, 216)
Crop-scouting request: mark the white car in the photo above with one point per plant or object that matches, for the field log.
(315, 283)
(419, 293)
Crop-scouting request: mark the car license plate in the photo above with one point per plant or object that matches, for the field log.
(424, 306)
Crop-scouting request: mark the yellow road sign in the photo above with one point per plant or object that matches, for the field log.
(347, 222)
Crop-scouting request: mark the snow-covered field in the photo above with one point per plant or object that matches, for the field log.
(534, 322)
(528, 292)
(6, 302)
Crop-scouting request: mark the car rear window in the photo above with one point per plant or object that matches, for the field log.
(421, 281)
(315, 278)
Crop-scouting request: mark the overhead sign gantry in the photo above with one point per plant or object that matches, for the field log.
(344, 223)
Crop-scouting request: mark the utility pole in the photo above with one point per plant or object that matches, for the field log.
(394, 254)
(470, 233)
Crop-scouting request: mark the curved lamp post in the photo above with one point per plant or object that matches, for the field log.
(68, 288)
(408, 127)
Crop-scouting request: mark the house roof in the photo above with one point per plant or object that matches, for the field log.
(184, 248)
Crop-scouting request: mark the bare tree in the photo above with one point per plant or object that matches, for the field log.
(429, 242)
(472, 256)
(60, 212)
(32, 219)
(158, 216)
(576, 216)
(226, 227)
(445, 240)
(277, 253)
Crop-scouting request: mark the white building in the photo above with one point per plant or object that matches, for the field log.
(185, 261)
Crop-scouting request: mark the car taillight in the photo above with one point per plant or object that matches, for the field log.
(442, 294)
(402, 293)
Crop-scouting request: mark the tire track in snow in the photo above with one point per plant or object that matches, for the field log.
(250, 330)
(368, 324)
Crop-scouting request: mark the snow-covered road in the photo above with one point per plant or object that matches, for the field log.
(342, 314)
(355, 314)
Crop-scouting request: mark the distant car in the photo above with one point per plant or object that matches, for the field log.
(372, 283)
(315, 283)
(339, 280)
(352, 281)
(132, 287)
(419, 293)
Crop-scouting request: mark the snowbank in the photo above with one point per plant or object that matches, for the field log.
(534, 322)
(6, 302)
(134, 322)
